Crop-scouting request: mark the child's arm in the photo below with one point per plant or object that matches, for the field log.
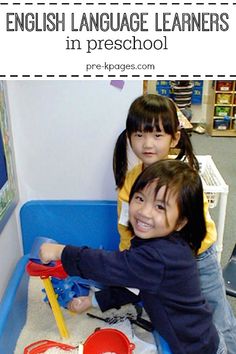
(139, 268)
(50, 252)
(123, 205)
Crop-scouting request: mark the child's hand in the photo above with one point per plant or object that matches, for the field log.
(50, 252)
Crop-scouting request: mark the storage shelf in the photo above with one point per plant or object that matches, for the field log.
(215, 115)
(224, 91)
(227, 132)
(225, 104)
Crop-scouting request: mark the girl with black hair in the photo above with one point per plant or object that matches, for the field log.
(167, 218)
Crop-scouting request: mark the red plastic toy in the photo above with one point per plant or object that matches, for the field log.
(43, 345)
(44, 271)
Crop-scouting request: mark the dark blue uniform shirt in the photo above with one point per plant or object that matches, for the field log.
(165, 271)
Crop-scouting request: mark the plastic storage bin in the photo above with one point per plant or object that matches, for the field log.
(163, 88)
(213, 183)
(163, 91)
(221, 111)
(197, 95)
(222, 123)
(224, 86)
(198, 83)
(216, 191)
(223, 98)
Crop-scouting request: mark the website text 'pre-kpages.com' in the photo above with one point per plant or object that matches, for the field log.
(118, 67)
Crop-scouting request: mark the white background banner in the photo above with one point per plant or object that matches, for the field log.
(131, 40)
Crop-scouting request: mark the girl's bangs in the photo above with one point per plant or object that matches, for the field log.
(143, 123)
(152, 121)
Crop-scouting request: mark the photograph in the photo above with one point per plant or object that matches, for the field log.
(116, 216)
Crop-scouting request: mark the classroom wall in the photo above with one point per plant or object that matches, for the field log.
(10, 250)
(63, 133)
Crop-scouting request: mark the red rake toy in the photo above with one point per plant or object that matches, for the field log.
(43, 345)
(45, 272)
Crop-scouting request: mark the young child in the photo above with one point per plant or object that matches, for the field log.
(153, 131)
(166, 215)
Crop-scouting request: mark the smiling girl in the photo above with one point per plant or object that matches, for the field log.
(167, 218)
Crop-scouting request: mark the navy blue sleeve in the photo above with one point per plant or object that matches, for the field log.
(140, 267)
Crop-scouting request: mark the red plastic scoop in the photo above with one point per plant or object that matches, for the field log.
(45, 271)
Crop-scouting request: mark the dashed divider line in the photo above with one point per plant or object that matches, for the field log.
(116, 3)
(69, 76)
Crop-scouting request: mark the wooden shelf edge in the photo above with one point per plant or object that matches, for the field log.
(226, 133)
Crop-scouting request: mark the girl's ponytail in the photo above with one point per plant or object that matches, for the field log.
(186, 150)
(120, 160)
